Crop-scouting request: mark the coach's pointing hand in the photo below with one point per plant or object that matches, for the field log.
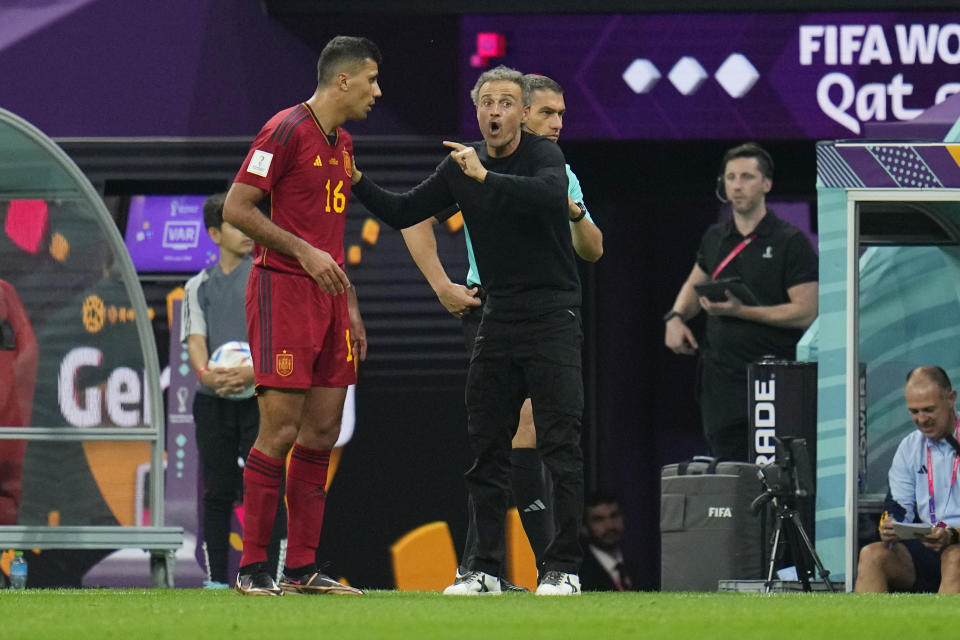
(467, 158)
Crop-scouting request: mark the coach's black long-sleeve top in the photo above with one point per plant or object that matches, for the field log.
(518, 221)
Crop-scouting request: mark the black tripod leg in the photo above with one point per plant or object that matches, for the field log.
(774, 547)
(796, 552)
(808, 545)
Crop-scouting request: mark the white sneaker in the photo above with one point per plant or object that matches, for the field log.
(557, 583)
(474, 583)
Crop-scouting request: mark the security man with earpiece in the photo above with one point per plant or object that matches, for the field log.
(772, 259)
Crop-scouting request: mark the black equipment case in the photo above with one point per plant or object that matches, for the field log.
(707, 530)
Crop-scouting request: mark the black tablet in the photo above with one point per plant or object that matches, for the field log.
(714, 290)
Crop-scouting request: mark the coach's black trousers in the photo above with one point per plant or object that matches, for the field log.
(539, 357)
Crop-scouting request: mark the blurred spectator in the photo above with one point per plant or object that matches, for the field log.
(604, 566)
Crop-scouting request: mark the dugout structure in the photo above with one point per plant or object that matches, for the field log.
(83, 409)
(889, 230)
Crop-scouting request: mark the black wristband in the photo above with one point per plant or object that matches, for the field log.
(583, 212)
(670, 315)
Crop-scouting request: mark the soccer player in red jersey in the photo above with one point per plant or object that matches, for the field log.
(304, 326)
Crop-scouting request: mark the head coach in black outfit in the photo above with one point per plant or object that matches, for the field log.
(512, 189)
(777, 263)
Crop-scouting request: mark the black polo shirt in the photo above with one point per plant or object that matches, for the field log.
(780, 257)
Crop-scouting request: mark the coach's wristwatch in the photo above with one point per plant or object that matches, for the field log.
(583, 212)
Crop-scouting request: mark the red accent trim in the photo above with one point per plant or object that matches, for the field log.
(733, 254)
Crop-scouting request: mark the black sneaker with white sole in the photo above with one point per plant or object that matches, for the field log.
(508, 587)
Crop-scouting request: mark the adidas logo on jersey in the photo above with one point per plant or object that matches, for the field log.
(536, 505)
(318, 162)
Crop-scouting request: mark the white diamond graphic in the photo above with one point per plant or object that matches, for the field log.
(736, 75)
(641, 75)
(687, 75)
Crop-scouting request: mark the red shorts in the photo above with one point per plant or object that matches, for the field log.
(299, 335)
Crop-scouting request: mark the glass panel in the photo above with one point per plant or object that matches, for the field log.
(26, 167)
(71, 354)
(57, 483)
(59, 279)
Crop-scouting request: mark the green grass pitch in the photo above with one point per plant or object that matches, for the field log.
(184, 614)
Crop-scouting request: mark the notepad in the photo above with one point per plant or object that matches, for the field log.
(912, 530)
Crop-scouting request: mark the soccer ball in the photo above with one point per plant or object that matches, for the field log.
(235, 353)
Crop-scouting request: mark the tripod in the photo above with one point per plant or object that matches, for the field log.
(789, 519)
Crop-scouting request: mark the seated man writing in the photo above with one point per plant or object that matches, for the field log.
(922, 475)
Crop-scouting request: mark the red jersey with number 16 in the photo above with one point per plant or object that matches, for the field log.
(307, 179)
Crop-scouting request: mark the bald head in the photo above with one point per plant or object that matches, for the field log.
(932, 374)
(930, 401)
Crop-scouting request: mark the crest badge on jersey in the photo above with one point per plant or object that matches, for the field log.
(284, 363)
(260, 163)
(347, 164)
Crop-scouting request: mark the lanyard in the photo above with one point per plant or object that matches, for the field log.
(953, 479)
(733, 254)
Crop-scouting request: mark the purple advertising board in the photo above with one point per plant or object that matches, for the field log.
(166, 234)
(724, 75)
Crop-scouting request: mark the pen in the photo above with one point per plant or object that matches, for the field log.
(883, 517)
